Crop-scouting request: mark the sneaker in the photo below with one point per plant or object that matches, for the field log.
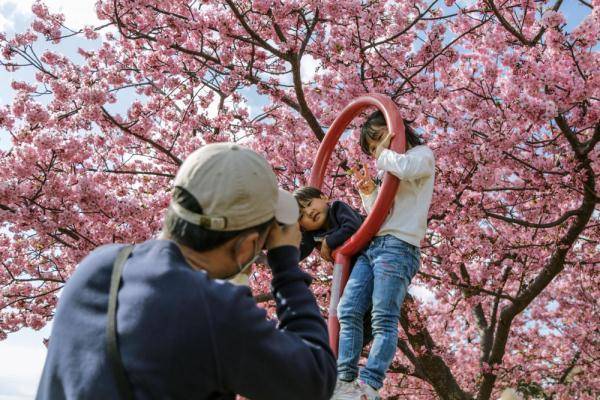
(347, 391)
(368, 392)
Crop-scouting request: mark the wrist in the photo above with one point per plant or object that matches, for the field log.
(367, 192)
(283, 257)
(276, 245)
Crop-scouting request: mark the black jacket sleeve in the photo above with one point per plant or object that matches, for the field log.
(263, 361)
(348, 221)
(307, 245)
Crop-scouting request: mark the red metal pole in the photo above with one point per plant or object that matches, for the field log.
(375, 219)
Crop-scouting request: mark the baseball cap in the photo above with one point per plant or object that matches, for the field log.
(235, 187)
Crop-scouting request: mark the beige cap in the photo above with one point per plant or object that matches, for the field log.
(235, 187)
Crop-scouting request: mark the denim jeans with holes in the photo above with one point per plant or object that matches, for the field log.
(379, 279)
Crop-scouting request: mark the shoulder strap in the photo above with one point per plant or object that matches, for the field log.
(114, 357)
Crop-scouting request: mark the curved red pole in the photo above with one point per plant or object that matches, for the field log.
(341, 268)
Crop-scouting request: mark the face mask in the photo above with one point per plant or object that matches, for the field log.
(241, 278)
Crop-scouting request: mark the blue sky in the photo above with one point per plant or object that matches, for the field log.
(23, 353)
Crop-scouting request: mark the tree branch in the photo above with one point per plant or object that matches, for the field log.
(563, 218)
(258, 40)
(432, 365)
(403, 31)
(518, 34)
(590, 144)
(131, 172)
(552, 268)
(151, 142)
(304, 110)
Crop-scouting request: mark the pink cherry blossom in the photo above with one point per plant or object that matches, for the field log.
(505, 93)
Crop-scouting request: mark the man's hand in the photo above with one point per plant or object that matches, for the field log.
(326, 251)
(288, 235)
(364, 182)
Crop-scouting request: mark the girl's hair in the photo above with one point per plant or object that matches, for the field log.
(371, 129)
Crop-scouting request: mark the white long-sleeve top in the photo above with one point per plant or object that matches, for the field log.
(407, 219)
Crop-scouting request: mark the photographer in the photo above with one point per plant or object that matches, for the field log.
(160, 320)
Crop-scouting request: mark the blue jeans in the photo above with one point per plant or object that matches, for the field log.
(379, 279)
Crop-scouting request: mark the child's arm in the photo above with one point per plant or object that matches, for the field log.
(307, 245)
(415, 164)
(325, 251)
(349, 221)
(369, 199)
(366, 187)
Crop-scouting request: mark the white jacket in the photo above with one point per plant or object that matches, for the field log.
(407, 219)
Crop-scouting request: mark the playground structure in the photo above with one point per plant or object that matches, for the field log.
(343, 255)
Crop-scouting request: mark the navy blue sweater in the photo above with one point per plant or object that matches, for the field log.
(183, 335)
(342, 222)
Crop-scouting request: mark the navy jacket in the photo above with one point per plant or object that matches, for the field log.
(343, 221)
(183, 335)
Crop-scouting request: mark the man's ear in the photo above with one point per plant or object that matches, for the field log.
(246, 246)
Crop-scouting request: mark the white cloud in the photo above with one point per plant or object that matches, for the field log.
(23, 355)
(5, 140)
(308, 68)
(6, 24)
(77, 13)
(422, 293)
(20, 6)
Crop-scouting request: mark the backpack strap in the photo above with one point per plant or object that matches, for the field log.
(112, 346)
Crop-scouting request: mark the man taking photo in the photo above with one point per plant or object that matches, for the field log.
(159, 319)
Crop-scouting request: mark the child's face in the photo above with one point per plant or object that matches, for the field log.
(374, 141)
(313, 214)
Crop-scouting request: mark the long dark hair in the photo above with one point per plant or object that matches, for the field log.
(371, 129)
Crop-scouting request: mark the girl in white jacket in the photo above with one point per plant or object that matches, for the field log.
(382, 273)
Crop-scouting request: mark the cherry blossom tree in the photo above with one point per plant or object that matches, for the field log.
(507, 94)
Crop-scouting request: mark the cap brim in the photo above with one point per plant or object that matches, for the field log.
(287, 211)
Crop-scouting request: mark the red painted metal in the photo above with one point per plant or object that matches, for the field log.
(342, 256)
